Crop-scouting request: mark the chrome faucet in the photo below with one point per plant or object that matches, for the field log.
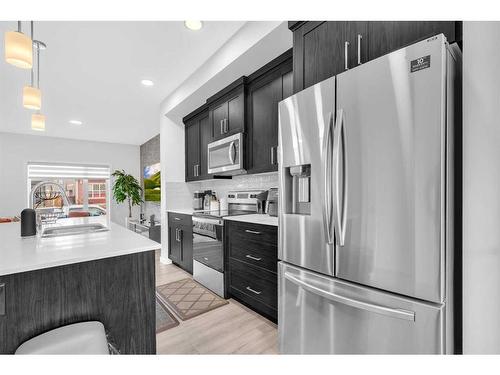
(61, 189)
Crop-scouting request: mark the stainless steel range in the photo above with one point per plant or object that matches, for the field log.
(208, 234)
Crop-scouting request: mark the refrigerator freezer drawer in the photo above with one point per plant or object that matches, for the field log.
(322, 315)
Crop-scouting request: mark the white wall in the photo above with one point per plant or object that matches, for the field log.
(16, 150)
(481, 189)
(254, 45)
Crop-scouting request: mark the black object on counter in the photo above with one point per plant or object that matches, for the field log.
(28, 222)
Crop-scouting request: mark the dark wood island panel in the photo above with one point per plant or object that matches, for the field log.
(118, 291)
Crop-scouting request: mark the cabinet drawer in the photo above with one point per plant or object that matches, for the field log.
(179, 219)
(251, 250)
(264, 234)
(254, 282)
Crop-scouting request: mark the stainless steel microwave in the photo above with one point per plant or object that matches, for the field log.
(225, 156)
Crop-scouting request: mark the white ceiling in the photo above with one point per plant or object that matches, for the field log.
(91, 71)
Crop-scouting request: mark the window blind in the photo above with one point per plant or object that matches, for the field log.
(48, 170)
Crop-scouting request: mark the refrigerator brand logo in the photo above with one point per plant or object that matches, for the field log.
(420, 63)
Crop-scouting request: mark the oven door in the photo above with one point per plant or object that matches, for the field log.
(226, 155)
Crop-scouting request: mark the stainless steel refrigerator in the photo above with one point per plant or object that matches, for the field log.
(366, 235)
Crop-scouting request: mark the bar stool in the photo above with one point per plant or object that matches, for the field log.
(78, 338)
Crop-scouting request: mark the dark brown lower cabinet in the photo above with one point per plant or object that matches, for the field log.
(180, 240)
(251, 253)
(119, 292)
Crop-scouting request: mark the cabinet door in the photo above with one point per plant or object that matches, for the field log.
(318, 52)
(205, 139)
(236, 114)
(388, 36)
(186, 247)
(264, 119)
(218, 114)
(287, 85)
(356, 34)
(192, 134)
(174, 249)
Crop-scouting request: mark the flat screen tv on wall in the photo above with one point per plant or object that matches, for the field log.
(152, 185)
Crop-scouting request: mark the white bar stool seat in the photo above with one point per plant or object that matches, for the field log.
(78, 338)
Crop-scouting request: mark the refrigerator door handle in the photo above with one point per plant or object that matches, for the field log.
(327, 181)
(378, 309)
(340, 217)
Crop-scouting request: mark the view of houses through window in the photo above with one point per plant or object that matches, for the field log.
(75, 191)
(87, 195)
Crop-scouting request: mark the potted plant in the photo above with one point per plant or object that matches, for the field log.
(126, 187)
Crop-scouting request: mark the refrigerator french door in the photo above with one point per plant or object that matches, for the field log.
(384, 173)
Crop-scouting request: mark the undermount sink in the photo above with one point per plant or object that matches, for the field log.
(68, 230)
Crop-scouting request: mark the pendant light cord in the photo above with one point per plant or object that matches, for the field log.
(32, 49)
(38, 66)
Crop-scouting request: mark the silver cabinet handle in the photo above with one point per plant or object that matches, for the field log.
(226, 126)
(327, 181)
(379, 309)
(197, 170)
(194, 170)
(177, 234)
(176, 218)
(253, 290)
(338, 136)
(180, 235)
(221, 127)
(232, 152)
(253, 258)
(346, 55)
(274, 151)
(252, 231)
(359, 48)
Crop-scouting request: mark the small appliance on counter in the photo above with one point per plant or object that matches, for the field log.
(207, 197)
(261, 202)
(28, 222)
(198, 200)
(272, 202)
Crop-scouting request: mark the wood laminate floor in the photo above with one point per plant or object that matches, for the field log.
(230, 329)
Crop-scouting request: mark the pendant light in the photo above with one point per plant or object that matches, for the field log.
(37, 119)
(18, 48)
(32, 96)
(38, 122)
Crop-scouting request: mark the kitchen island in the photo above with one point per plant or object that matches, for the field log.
(106, 276)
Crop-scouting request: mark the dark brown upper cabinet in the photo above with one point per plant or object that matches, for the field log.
(227, 110)
(266, 88)
(322, 49)
(197, 137)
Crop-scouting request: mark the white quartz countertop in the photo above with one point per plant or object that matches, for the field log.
(19, 254)
(185, 211)
(263, 219)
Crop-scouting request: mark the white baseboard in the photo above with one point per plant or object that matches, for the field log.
(165, 260)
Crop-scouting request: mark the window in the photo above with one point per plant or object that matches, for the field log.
(86, 187)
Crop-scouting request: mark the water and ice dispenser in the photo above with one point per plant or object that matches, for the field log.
(298, 186)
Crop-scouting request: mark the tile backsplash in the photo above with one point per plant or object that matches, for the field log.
(180, 194)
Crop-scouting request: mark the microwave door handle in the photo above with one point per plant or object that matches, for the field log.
(327, 181)
(232, 152)
(361, 305)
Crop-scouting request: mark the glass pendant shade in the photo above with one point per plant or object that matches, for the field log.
(32, 98)
(18, 49)
(38, 122)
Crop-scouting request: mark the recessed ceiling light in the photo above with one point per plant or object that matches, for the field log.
(147, 82)
(75, 122)
(193, 25)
